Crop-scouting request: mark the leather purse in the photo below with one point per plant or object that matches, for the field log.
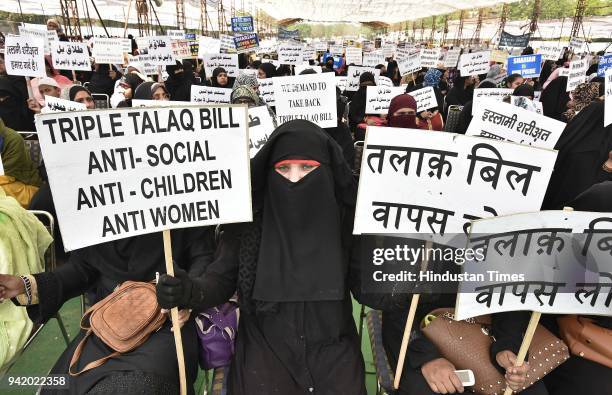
(123, 321)
(466, 344)
(587, 339)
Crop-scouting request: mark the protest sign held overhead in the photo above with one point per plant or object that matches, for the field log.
(577, 73)
(353, 55)
(553, 262)
(529, 66)
(415, 181)
(227, 44)
(40, 32)
(261, 127)
(384, 81)
(107, 50)
(181, 49)
(431, 57)
(208, 45)
(341, 83)
(577, 45)
(54, 104)
(310, 96)
(452, 57)
(246, 42)
(228, 61)
(425, 98)
(137, 171)
(503, 121)
(482, 95)
(373, 59)
(290, 54)
(266, 90)
(511, 40)
(353, 74)
(70, 56)
(210, 94)
(474, 63)
(605, 62)
(409, 63)
(379, 97)
(242, 24)
(176, 34)
(158, 49)
(550, 51)
(24, 56)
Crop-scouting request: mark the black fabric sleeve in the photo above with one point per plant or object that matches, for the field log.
(64, 283)
(199, 249)
(508, 330)
(218, 283)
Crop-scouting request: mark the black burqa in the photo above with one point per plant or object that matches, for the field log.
(296, 333)
(583, 148)
(152, 367)
(13, 108)
(554, 99)
(180, 79)
(341, 133)
(459, 94)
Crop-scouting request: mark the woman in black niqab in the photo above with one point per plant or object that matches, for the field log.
(554, 99)
(291, 268)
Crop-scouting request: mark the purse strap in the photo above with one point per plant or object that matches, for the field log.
(91, 365)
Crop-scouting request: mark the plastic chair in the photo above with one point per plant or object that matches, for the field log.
(452, 118)
(384, 373)
(101, 100)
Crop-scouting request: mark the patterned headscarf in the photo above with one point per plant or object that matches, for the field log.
(432, 78)
(244, 91)
(249, 80)
(582, 96)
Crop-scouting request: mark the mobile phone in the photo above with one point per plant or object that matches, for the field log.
(466, 376)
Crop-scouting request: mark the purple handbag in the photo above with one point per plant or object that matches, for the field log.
(216, 329)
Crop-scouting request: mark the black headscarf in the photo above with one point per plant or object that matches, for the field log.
(146, 89)
(14, 110)
(301, 253)
(341, 133)
(583, 148)
(215, 74)
(459, 94)
(598, 198)
(554, 99)
(391, 67)
(180, 79)
(269, 69)
(74, 89)
(525, 90)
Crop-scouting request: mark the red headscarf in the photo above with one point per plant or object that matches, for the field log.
(402, 121)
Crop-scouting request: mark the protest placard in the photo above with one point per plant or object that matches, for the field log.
(409, 63)
(608, 98)
(577, 73)
(379, 97)
(311, 97)
(54, 104)
(210, 94)
(551, 51)
(452, 57)
(301, 67)
(502, 121)
(353, 55)
(40, 32)
(24, 56)
(431, 57)
(336, 50)
(181, 49)
(527, 104)
(131, 171)
(308, 53)
(242, 24)
(228, 61)
(474, 63)
(425, 98)
(388, 50)
(159, 50)
(577, 45)
(549, 262)
(208, 45)
(486, 94)
(353, 74)
(227, 44)
(564, 71)
(373, 59)
(605, 62)
(246, 42)
(70, 56)
(384, 81)
(261, 127)
(285, 34)
(290, 54)
(266, 91)
(176, 34)
(341, 83)
(415, 181)
(529, 66)
(499, 56)
(107, 50)
(511, 40)
(320, 46)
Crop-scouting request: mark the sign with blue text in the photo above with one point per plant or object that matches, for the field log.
(529, 66)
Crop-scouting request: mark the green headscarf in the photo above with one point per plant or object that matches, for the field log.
(16, 158)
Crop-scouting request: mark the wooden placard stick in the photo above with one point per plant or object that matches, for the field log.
(29, 86)
(414, 302)
(176, 329)
(74, 77)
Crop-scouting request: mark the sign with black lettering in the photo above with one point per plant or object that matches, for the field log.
(131, 171)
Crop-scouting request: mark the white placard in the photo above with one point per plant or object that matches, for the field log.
(577, 45)
(388, 50)
(40, 32)
(551, 51)
(159, 51)
(527, 104)
(252, 72)
(181, 49)
(105, 172)
(308, 53)
(321, 47)
(486, 94)
(208, 45)
(341, 83)
(311, 97)
(353, 56)
(430, 57)
(290, 54)
(70, 56)
(353, 74)
(452, 57)
(107, 50)
(176, 34)
(474, 63)
(564, 71)
(228, 61)
(210, 94)
(415, 181)
(378, 98)
(608, 98)
(502, 121)
(384, 81)
(577, 73)
(227, 44)
(301, 67)
(266, 91)
(24, 56)
(261, 127)
(126, 45)
(425, 98)
(54, 104)
(373, 59)
(336, 50)
(410, 63)
(553, 261)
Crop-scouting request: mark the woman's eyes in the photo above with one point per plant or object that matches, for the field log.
(283, 168)
(307, 167)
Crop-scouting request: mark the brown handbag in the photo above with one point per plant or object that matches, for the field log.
(466, 344)
(587, 339)
(123, 321)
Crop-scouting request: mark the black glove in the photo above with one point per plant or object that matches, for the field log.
(174, 291)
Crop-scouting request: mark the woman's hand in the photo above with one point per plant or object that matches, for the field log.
(515, 375)
(10, 286)
(440, 375)
(34, 106)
